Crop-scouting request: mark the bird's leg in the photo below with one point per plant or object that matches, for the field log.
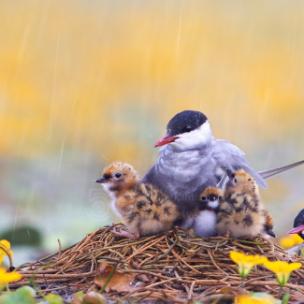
(270, 240)
(228, 234)
(192, 233)
(125, 234)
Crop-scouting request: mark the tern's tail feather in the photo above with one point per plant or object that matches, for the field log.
(269, 173)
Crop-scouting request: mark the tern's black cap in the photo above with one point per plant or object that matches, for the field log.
(299, 220)
(185, 121)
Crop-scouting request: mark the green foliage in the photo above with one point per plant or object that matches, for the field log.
(23, 236)
(23, 295)
(53, 299)
(27, 295)
(285, 299)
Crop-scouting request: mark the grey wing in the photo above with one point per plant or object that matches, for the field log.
(230, 158)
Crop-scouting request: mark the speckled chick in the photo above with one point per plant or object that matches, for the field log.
(241, 214)
(204, 224)
(144, 209)
(117, 179)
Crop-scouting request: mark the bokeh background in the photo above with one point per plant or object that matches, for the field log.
(83, 83)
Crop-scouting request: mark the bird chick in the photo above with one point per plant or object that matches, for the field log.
(241, 213)
(205, 221)
(144, 209)
(154, 212)
(117, 179)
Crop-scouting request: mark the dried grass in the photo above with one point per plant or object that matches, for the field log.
(173, 267)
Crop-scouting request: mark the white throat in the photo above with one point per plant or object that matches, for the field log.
(194, 139)
(113, 198)
(106, 187)
(213, 204)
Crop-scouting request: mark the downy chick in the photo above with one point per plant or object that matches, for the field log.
(205, 221)
(117, 179)
(241, 214)
(144, 209)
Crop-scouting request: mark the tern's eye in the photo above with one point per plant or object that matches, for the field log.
(117, 175)
(187, 129)
(203, 198)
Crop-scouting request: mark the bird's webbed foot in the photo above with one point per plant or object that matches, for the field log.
(125, 234)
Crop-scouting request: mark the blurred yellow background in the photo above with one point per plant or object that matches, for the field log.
(83, 83)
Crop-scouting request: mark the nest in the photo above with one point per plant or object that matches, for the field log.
(174, 267)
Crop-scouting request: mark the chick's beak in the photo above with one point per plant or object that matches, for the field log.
(296, 230)
(165, 140)
(101, 180)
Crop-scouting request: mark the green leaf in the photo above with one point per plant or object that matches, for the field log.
(52, 298)
(23, 295)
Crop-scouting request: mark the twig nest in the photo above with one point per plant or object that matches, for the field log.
(173, 267)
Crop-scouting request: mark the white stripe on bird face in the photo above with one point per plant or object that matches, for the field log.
(193, 139)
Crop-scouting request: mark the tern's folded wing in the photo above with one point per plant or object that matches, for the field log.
(231, 158)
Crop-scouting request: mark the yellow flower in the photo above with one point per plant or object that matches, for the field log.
(5, 250)
(282, 270)
(8, 277)
(290, 241)
(246, 262)
(257, 298)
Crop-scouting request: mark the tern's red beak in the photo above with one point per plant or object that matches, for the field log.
(165, 140)
(296, 230)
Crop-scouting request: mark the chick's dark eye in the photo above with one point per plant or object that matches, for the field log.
(212, 198)
(203, 198)
(117, 175)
